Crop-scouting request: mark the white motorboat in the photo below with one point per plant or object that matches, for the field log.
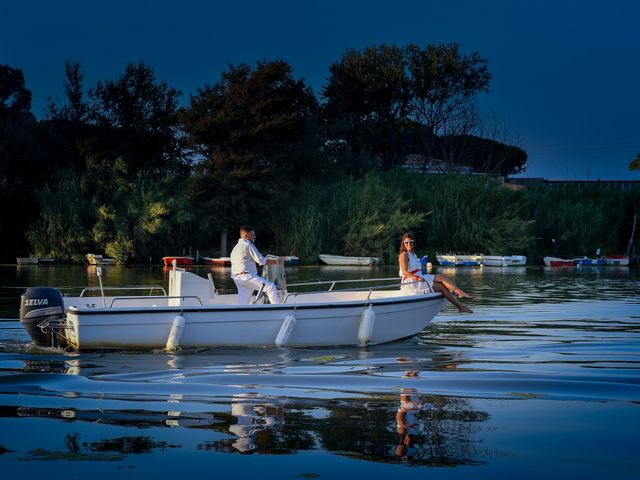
(194, 314)
(504, 260)
(342, 260)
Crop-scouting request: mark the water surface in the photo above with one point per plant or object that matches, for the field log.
(541, 381)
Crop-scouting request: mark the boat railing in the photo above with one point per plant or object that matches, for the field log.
(150, 297)
(333, 283)
(396, 284)
(150, 288)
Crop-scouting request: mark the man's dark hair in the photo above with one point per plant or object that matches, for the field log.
(246, 229)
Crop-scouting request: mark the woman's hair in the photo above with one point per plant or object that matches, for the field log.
(410, 236)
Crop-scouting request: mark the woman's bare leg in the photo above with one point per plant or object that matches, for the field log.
(439, 286)
(453, 288)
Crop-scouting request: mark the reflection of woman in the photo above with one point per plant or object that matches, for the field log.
(407, 424)
(413, 280)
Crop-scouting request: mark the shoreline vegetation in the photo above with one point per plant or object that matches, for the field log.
(363, 217)
(394, 142)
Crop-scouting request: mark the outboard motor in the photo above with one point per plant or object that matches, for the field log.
(42, 314)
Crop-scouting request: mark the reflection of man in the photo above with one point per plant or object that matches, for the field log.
(251, 419)
(244, 273)
(407, 423)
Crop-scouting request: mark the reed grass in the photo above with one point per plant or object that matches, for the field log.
(474, 214)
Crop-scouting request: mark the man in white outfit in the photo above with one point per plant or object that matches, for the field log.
(244, 273)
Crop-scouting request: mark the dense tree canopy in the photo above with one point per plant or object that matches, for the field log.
(19, 172)
(388, 101)
(118, 168)
(117, 190)
(252, 129)
(444, 85)
(367, 95)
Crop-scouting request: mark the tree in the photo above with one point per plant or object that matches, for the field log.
(76, 108)
(635, 164)
(137, 120)
(444, 84)
(20, 174)
(366, 98)
(120, 184)
(251, 129)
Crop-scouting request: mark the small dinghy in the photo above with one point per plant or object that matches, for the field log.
(557, 262)
(459, 260)
(617, 260)
(342, 260)
(504, 260)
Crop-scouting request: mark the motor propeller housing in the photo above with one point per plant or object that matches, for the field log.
(42, 314)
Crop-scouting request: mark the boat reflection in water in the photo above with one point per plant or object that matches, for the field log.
(410, 426)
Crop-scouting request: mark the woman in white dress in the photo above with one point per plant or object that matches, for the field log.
(413, 280)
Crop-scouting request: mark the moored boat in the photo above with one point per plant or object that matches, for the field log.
(617, 260)
(346, 261)
(93, 259)
(558, 262)
(591, 262)
(180, 260)
(446, 260)
(459, 260)
(219, 261)
(194, 314)
(27, 260)
(35, 260)
(291, 261)
(518, 260)
(504, 260)
(468, 260)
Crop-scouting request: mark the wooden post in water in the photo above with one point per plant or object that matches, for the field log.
(633, 232)
(223, 243)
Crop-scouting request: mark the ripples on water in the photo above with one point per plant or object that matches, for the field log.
(541, 380)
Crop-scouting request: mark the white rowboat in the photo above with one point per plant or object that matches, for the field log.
(342, 260)
(504, 260)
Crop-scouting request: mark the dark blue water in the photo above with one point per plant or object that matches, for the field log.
(543, 380)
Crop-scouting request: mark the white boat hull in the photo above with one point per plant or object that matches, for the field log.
(346, 261)
(504, 260)
(318, 323)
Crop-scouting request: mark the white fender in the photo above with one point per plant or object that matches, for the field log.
(286, 329)
(177, 327)
(367, 322)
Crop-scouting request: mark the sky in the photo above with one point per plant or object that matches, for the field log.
(566, 74)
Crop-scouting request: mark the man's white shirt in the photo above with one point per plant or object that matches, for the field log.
(244, 257)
